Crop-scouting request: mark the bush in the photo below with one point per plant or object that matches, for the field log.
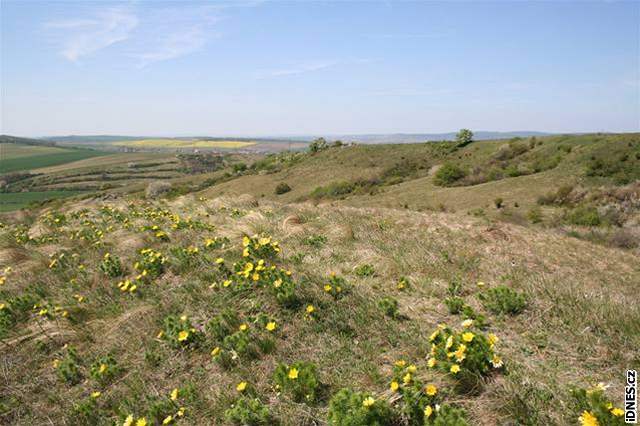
(248, 411)
(315, 241)
(389, 306)
(299, 380)
(318, 145)
(584, 216)
(449, 416)
(498, 202)
(448, 174)
(157, 188)
(503, 300)
(334, 189)
(349, 408)
(282, 188)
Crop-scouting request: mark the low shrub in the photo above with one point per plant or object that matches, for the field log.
(248, 411)
(448, 174)
(365, 270)
(68, 368)
(584, 216)
(179, 332)
(104, 369)
(157, 188)
(503, 300)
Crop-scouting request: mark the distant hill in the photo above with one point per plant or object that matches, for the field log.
(370, 138)
(25, 141)
(424, 137)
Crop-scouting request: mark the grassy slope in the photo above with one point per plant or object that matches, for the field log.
(581, 325)
(418, 192)
(18, 200)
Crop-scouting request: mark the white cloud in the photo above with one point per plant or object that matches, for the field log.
(83, 37)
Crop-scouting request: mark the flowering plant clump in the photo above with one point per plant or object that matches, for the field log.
(595, 408)
(403, 284)
(299, 380)
(150, 264)
(215, 243)
(260, 247)
(179, 332)
(417, 400)
(185, 257)
(503, 300)
(350, 408)
(223, 324)
(104, 369)
(336, 287)
(463, 353)
(111, 266)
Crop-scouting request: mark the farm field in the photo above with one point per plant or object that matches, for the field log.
(186, 144)
(17, 200)
(17, 157)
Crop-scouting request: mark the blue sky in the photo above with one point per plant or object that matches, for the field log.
(315, 67)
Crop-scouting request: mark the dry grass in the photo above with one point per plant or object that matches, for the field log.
(582, 323)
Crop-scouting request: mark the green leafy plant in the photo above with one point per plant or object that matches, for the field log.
(111, 266)
(104, 369)
(365, 270)
(68, 368)
(503, 300)
(448, 174)
(337, 286)
(350, 408)
(389, 306)
(299, 380)
(248, 411)
(316, 241)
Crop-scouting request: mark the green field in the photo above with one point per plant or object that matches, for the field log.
(190, 144)
(17, 200)
(16, 157)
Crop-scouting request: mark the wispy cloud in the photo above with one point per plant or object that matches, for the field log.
(297, 69)
(83, 37)
(307, 67)
(147, 35)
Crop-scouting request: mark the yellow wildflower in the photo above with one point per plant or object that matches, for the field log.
(431, 390)
(243, 327)
(174, 394)
(407, 378)
(128, 421)
(241, 386)
(468, 336)
(293, 373)
(327, 288)
(215, 351)
(310, 309)
(167, 420)
(96, 394)
(141, 422)
(368, 402)
(103, 368)
(493, 339)
(455, 368)
(617, 412)
(428, 411)
(394, 386)
(467, 323)
(183, 335)
(271, 326)
(431, 362)
(588, 419)
(449, 342)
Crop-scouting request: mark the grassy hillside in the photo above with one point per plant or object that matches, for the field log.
(132, 309)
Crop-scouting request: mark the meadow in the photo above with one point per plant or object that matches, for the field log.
(19, 200)
(493, 283)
